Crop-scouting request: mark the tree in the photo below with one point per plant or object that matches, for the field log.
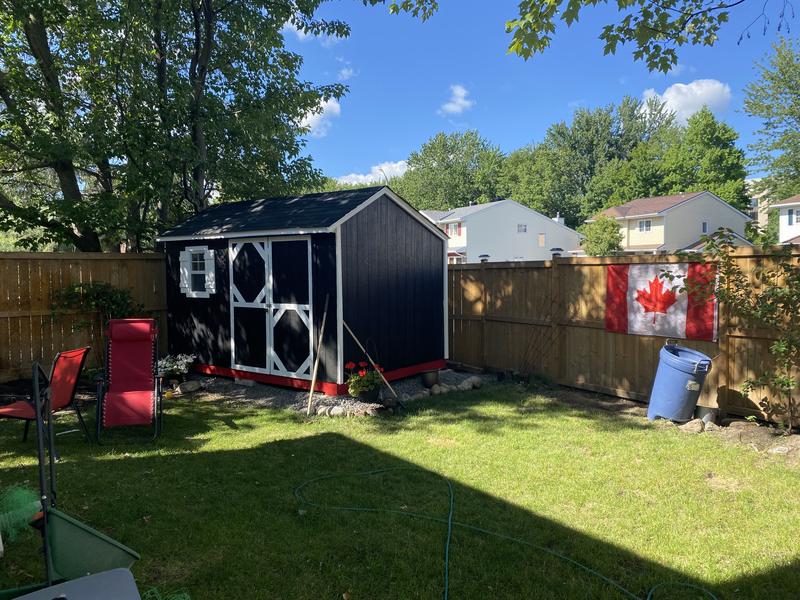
(554, 176)
(603, 237)
(656, 28)
(707, 158)
(773, 97)
(118, 118)
(766, 299)
(451, 170)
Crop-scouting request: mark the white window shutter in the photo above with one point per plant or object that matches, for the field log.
(211, 280)
(185, 264)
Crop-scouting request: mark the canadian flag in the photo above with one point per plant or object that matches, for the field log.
(640, 300)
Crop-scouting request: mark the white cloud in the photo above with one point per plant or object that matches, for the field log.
(376, 173)
(685, 99)
(458, 102)
(346, 73)
(302, 36)
(290, 27)
(318, 122)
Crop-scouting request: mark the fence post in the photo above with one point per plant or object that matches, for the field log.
(484, 309)
(555, 319)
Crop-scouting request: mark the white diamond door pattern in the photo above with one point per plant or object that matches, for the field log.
(271, 306)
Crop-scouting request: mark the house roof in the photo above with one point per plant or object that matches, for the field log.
(286, 214)
(794, 240)
(701, 243)
(456, 214)
(794, 200)
(647, 206)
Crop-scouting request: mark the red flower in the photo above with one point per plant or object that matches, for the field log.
(349, 365)
(362, 364)
(362, 373)
(378, 368)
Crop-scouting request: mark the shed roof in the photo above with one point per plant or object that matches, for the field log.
(306, 212)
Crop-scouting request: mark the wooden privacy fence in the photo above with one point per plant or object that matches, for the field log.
(29, 331)
(548, 318)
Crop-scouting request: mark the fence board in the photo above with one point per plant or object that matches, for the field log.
(28, 281)
(548, 317)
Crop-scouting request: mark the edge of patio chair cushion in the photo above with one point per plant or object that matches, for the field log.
(19, 410)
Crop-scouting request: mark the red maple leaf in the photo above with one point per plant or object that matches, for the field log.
(657, 299)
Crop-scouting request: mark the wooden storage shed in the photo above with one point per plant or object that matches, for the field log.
(247, 284)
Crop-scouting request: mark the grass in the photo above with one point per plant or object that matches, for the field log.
(210, 506)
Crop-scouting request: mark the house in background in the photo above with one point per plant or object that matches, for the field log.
(502, 231)
(677, 222)
(788, 224)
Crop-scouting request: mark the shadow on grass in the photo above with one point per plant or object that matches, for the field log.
(227, 524)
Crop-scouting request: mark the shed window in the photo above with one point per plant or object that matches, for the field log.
(197, 272)
(645, 225)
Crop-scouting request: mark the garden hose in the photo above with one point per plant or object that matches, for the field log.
(451, 522)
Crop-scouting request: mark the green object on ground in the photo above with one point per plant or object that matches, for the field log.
(17, 508)
(77, 550)
(154, 594)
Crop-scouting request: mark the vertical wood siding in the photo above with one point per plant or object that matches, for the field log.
(392, 286)
(29, 331)
(549, 318)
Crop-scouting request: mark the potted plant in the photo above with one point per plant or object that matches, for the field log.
(175, 367)
(364, 382)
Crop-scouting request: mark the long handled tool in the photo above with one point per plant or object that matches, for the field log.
(369, 358)
(316, 358)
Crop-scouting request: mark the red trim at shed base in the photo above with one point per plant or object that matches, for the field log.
(326, 387)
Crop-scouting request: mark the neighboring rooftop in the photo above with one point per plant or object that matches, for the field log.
(648, 206)
(268, 214)
(455, 214)
(788, 202)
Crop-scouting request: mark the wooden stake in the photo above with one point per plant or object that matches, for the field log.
(369, 358)
(316, 358)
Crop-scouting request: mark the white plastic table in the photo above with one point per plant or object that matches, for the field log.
(116, 583)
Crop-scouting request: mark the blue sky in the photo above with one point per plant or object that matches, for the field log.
(409, 80)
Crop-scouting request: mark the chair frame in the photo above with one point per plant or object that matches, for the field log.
(103, 383)
(71, 404)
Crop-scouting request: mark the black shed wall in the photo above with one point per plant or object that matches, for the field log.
(392, 286)
(199, 326)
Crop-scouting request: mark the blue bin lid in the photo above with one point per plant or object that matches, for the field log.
(685, 359)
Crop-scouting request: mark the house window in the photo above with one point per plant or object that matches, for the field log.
(197, 277)
(790, 214)
(645, 225)
(705, 226)
(453, 229)
(542, 240)
(522, 228)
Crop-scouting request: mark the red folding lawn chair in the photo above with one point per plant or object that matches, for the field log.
(63, 382)
(129, 393)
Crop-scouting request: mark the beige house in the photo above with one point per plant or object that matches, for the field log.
(677, 222)
(788, 222)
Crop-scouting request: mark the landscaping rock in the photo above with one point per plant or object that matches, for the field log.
(336, 411)
(390, 401)
(476, 381)
(465, 385)
(187, 387)
(779, 450)
(436, 389)
(743, 424)
(244, 382)
(711, 426)
(693, 426)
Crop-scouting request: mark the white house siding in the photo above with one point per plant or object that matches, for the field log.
(787, 232)
(493, 231)
(684, 223)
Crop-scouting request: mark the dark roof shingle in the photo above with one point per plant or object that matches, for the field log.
(268, 214)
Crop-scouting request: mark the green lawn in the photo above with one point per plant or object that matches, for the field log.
(211, 506)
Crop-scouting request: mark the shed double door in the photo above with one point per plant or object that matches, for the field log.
(271, 313)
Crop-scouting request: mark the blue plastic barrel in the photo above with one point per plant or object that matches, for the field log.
(679, 380)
